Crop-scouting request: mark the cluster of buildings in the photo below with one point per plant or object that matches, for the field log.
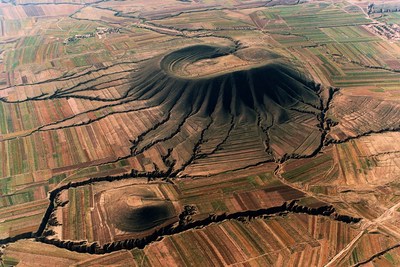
(77, 37)
(382, 8)
(100, 31)
(391, 32)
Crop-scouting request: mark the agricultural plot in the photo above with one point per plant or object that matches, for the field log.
(20, 12)
(365, 115)
(360, 175)
(289, 242)
(222, 20)
(199, 133)
(26, 251)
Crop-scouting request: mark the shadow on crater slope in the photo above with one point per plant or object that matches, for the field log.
(144, 217)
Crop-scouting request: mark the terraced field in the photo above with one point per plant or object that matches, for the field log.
(199, 133)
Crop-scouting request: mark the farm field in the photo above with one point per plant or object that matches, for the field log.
(199, 133)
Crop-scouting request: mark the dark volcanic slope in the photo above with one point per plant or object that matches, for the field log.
(272, 99)
(269, 89)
